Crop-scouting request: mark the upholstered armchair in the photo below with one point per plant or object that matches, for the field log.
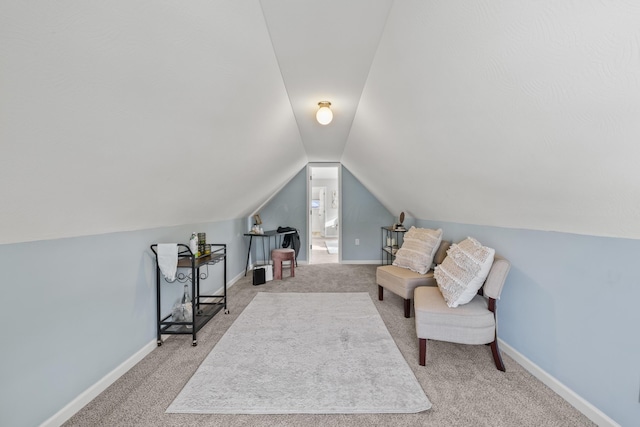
(470, 323)
(402, 281)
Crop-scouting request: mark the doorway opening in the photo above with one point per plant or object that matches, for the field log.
(324, 196)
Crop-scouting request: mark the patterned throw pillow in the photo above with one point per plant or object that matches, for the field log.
(463, 271)
(418, 249)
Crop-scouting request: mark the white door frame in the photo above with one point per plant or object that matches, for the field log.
(310, 166)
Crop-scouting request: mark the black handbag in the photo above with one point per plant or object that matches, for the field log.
(259, 276)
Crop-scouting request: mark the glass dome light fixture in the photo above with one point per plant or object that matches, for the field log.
(324, 115)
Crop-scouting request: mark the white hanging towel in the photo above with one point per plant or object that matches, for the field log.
(168, 260)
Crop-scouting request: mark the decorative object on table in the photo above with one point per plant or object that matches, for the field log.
(193, 243)
(202, 243)
(257, 222)
(398, 226)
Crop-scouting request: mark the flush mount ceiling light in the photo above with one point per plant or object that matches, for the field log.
(324, 114)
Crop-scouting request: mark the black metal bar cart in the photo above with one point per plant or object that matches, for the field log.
(203, 307)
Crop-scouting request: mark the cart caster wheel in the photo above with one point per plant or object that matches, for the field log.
(195, 343)
(227, 312)
(159, 343)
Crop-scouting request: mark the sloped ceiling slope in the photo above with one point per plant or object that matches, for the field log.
(514, 114)
(126, 115)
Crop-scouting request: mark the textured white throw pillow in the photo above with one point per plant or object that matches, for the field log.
(463, 271)
(419, 246)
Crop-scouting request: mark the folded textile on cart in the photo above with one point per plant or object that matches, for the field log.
(168, 260)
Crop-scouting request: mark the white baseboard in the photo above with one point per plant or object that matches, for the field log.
(235, 279)
(590, 411)
(92, 392)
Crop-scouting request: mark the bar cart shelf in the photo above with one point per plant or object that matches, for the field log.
(204, 307)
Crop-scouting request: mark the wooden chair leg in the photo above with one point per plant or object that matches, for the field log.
(422, 346)
(497, 358)
(380, 293)
(407, 308)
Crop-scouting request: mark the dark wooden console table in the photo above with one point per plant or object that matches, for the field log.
(266, 243)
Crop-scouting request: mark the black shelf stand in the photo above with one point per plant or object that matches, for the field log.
(204, 307)
(388, 251)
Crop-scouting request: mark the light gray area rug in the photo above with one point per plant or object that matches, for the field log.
(306, 353)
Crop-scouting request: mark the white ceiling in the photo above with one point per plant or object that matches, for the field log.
(125, 115)
(324, 50)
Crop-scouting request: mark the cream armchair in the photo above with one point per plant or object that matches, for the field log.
(402, 281)
(471, 323)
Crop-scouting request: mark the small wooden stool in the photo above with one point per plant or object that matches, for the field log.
(280, 255)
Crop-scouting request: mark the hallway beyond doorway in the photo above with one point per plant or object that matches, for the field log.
(323, 198)
(321, 254)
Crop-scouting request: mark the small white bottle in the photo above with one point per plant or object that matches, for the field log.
(193, 243)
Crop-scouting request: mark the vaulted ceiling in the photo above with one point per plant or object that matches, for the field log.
(126, 115)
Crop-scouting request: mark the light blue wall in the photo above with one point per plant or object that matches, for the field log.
(74, 309)
(362, 218)
(571, 306)
(288, 208)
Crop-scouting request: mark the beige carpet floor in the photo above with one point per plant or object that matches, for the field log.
(460, 381)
